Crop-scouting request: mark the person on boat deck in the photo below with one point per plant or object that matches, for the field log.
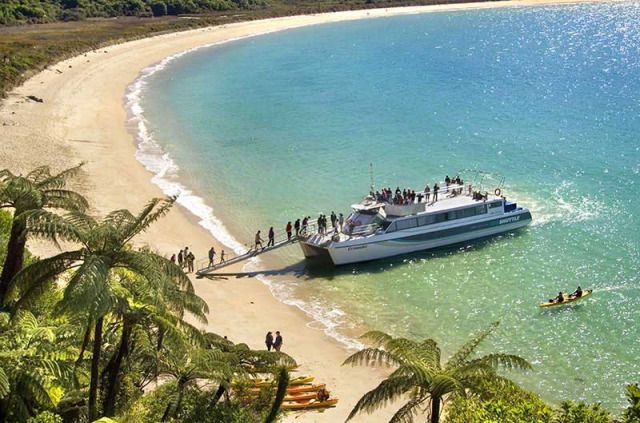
(427, 192)
(559, 298)
(296, 226)
(435, 192)
(341, 221)
(577, 293)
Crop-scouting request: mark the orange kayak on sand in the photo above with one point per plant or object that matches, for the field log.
(302, 396)
(296, 389)
(308, 404)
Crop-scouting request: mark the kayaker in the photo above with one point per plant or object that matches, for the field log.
(559, 298)
(577, 293)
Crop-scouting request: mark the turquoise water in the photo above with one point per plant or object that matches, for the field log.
(269, 128)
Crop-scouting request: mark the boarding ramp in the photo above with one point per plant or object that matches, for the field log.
(205, 268)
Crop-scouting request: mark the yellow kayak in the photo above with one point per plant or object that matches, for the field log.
(295, 381)
(295, 389)
(308, 404)
(568, 299)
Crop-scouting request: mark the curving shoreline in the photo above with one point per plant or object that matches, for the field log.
(83, 119)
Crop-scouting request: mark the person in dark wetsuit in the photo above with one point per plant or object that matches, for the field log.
(559, 298)
(577, 293)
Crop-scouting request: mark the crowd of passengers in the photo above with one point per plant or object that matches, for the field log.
(408, 196)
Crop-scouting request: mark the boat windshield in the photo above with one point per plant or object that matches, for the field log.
(361, 222)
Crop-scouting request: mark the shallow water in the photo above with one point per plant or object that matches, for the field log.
(269, 128)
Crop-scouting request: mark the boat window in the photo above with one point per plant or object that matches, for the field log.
(495, 204)
(480, 209)
(406, 224)
(441, 217)
(392, 227)
(426, 220)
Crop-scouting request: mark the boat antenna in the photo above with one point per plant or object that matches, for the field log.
(371, 169)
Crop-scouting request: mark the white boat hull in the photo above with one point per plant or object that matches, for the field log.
(383, 246)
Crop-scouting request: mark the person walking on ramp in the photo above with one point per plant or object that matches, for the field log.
(259, 241)
(272, 237)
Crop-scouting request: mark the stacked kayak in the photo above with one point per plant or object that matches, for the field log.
(307, 404)
(299, 396)
(567, 299)
(259, 382)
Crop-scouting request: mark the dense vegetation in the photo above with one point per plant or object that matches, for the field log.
(41, 11)
(98, 333)
(85, 333)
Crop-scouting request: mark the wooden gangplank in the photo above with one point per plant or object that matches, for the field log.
(246, 256)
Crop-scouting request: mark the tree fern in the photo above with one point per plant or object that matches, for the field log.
(420, 375)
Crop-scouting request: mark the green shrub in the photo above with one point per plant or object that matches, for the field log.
(159, 8)
(45, 417)
(581, 413)
(632, 413)
(502, 401)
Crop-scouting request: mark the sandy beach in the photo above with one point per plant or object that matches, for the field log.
(83, 118)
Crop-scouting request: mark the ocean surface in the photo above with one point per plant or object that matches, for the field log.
(259, 131)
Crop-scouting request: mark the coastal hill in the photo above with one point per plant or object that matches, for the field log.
(35, 34)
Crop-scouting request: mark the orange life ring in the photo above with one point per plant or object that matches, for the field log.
(497, 192)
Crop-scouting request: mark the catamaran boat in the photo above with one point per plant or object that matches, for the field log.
(376, 229)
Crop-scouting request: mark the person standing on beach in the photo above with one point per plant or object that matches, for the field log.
(186, 254)
(272, 237)
(269, 341)
(190, 260)
(180, 258)
(288, 229)
(296, 226)
(173, 258)
(277, 344)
